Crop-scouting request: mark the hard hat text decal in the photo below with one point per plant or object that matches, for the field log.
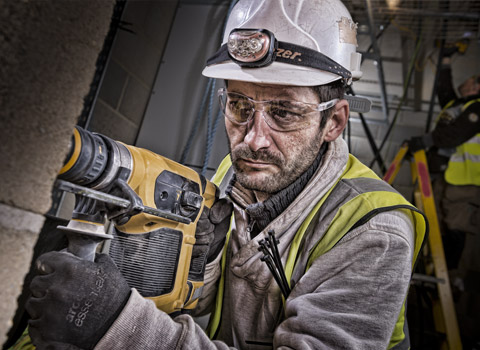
(288, 54)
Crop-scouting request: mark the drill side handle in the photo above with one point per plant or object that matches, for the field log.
(83, 238)
(86, 229)
(83, 246)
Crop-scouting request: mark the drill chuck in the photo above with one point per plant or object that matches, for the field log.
(94, 160)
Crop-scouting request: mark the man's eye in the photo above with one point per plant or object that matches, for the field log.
(236, 105)
(286, 114)
(240, 110)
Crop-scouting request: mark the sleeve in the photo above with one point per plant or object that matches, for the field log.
(445, 89)
(351, 297)
(460, 130)
(142, 326)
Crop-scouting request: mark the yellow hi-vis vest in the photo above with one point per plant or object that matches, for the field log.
(464, 165)
(358, 195)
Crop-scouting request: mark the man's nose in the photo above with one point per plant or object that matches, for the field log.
(258, 132)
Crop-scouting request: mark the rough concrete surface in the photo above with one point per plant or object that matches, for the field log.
(18, 234)
(48, 51)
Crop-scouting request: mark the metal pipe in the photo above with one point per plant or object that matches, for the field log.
(435, 82)
(378, 58)
(427, 13)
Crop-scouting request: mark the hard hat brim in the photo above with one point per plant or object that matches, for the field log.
(290, 74)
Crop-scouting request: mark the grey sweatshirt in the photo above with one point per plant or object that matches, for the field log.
(350, 298)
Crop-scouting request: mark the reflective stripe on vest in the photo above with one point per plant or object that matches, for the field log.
(464, 165)
(356, 197)
(24, 342)
(220, 179)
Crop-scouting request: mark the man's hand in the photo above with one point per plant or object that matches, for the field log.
(210, 235)
(74, 301)
(217, 217)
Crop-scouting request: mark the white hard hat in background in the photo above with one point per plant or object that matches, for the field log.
(467, 65)
(314, 43)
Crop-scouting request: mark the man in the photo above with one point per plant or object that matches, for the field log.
(454, 149)
(319, 253)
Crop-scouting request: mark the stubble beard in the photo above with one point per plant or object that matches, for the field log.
(289, 170)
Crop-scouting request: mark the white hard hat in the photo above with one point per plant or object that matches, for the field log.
(300, 43)
(466, 66)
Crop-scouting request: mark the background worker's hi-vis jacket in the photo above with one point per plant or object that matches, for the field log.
(349, 297)
(464, 165)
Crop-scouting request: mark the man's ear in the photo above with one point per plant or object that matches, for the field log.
(337, 122)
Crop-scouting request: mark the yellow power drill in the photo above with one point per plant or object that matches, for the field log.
(154, 204)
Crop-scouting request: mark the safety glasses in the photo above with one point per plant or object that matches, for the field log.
(280, 115)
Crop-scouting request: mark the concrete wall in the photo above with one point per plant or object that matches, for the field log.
(48, 54)
(131, 71)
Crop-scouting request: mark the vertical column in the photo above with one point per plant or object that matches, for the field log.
(49, 50)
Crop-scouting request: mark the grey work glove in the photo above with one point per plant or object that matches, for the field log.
(74, 301)
(210, 236)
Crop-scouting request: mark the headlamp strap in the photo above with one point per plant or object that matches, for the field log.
(220, 56)
(291, 54)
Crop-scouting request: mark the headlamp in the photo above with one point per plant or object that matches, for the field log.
(251, 47)
(255, 48)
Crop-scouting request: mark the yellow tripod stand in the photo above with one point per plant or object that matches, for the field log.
(444, 309)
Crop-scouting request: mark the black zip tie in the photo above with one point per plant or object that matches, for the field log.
(272, 258)
(263, 248)
(267, 258)
(276, 256)
(271, 253)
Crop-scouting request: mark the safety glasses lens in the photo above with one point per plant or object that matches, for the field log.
(288, 115)
(279, 115)
(238, 108)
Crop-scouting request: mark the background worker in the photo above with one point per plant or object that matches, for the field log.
(346, 240)
(454, 155)
(454, 164)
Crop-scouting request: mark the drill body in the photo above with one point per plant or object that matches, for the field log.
(154, 204)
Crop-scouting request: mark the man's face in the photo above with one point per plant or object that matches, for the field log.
(266, 160)
(470, 87)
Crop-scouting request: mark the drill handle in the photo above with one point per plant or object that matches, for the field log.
(83, 238)
(83, 246)
(86, 229)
